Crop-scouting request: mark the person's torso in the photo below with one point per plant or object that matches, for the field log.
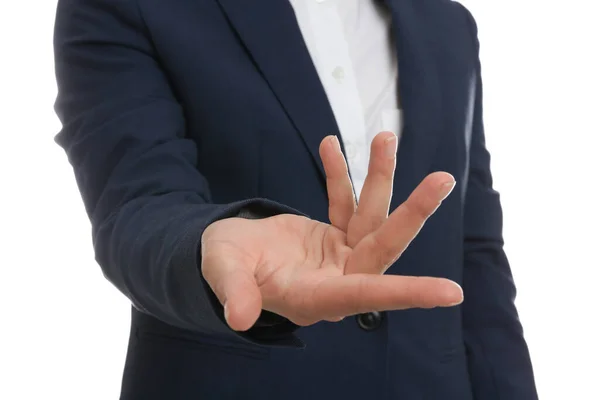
(255, 106)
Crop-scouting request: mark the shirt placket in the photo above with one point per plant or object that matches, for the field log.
(335, 68)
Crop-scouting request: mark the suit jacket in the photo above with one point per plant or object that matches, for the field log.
(179, 113)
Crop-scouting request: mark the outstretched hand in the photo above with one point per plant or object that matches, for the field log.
(308, 271)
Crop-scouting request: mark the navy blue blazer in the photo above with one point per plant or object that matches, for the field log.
(182, 112)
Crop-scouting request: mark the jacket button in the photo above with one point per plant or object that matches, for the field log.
(369, 321)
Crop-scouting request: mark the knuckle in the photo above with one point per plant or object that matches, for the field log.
(360, 294)
(369, 222)
(381, 254)
(419, 297)
(414, 297)
(355, 302)
(375, 221)
(418, 209)
(381, 177)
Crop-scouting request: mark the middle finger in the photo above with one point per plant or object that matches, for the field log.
(374, 203)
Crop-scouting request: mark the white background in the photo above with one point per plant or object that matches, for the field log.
(64, 329)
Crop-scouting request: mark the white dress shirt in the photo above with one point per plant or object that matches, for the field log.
(352, 47)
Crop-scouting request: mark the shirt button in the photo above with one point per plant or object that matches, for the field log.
(338, 74)
(350, 151)
(369, 321)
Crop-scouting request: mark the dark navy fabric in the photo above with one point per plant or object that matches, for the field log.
(182, 112)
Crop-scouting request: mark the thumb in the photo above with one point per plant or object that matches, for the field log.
(242, 300)
(235, 286)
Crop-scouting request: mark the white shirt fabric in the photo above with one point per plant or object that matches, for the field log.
(352, 47)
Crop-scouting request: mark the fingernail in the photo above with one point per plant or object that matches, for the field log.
(391, 146)
(335, 143)
(446, 189)
(461, 296)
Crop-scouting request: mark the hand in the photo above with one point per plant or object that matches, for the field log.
(308, 271)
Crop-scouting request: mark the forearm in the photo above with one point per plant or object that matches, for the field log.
(150, 250)
(125, 134)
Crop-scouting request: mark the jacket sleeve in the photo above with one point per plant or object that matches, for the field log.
(124, 134)
(498, 357)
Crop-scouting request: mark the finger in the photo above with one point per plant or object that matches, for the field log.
(236, 289)
(381, 248)
(339, 187)
(374, 203)
(361, 293)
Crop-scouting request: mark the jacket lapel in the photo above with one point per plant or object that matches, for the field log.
(270, 33)
(419, 89)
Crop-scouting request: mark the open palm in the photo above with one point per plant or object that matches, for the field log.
(309, 271)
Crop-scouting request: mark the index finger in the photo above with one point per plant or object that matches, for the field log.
(381, 248)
